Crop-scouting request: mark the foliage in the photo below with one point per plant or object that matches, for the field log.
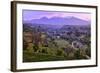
(46, 46)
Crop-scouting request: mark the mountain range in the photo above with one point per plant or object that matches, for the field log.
(59, 21)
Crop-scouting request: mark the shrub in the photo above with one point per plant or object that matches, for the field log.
(35, 48)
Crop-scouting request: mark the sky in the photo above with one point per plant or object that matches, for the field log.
(33, 14)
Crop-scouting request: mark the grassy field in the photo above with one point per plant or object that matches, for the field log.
(36, 57)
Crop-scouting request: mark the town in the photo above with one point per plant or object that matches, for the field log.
(50, 43)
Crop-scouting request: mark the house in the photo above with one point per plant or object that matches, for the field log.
(28, 40)
(28, 37)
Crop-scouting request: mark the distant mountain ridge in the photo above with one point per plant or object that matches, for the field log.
(59, 21)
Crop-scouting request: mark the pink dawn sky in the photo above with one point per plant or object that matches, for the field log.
(33, 14)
